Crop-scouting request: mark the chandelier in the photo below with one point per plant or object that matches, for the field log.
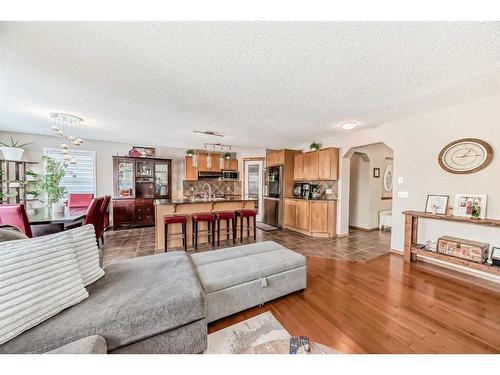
(66, 127)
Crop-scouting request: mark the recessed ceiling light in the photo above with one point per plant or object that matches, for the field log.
(348, 125)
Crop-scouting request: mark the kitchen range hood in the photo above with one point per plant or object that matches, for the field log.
(209, 175)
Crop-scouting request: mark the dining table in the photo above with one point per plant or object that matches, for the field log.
(45, 216)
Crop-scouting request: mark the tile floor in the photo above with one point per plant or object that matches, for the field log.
(358, 246)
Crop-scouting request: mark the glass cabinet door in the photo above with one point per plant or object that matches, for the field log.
(144, 168)
(161, 179)
(125, 183)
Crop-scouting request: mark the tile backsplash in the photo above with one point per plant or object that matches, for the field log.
(218, 187)
(323, 185)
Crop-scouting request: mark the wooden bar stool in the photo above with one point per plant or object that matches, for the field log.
(176, 219)
(247, 214)
(207, 217)
(228, 216)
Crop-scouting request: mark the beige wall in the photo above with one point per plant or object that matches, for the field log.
(105, 151)
(416, 142)
(359, 194)
(366, 188)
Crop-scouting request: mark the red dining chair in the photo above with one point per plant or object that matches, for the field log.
(79, 200)
(93, 216)
(102, 216)
(15, 215)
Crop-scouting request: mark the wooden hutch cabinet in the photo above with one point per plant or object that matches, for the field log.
(136, 183)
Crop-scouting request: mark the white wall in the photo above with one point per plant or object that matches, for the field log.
(359, 194)
(416, 142)
(368, 196)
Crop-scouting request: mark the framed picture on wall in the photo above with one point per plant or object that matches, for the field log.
(470, 205)
(437, 204)
(387, 179)
(376, 172)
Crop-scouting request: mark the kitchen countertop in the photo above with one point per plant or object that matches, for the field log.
(314, 200)
(160, 202)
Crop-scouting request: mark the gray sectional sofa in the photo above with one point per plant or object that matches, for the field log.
(162, 303)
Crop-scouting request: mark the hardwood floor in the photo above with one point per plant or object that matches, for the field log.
(386, 306)
(377, 305)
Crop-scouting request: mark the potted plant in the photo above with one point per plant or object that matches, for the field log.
(50, 184)
(31, 176)
(13, 150)
(227, 155)
(315, 146)
(32, 194)
(190, 152)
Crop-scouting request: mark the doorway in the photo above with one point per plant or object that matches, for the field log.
(370, 187)
(253, 182)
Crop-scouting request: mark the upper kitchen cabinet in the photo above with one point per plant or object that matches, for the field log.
(311, 166)
(209, 162)
(317, 165)
(230, 165)
(275, 158)
(190, 171)
(298, 167)
(328, 164)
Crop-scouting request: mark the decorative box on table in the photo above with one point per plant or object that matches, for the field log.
(465, 249)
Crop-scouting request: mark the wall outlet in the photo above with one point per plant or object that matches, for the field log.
(400, 180)
(403, 194)
(328, 191)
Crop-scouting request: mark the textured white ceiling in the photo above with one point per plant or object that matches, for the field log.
(264, 84)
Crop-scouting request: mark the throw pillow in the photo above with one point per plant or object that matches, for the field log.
(87, 253)
(10, 233)
(39, 277)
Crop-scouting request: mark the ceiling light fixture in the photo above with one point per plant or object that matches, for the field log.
(66, 127)
(209, 132)
(348, 125)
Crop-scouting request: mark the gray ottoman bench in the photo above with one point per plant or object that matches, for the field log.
(237, 278)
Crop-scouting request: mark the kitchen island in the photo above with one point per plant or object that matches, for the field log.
(188, 206)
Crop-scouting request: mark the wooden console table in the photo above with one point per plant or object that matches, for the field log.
(412, 249)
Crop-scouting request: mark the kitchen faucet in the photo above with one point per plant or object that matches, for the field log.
(209, 189)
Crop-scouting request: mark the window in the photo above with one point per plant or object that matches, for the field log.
(84, 169)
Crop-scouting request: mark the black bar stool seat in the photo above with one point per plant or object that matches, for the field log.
(176, 219)
(207, 217)
(247, 214)
(229, 216)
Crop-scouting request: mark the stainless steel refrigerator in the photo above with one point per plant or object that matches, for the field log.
(273, 196)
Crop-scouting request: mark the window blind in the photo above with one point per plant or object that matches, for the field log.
(84, 180)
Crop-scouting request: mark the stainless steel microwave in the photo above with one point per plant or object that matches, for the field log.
(230, 176)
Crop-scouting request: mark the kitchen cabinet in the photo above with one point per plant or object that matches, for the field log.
(275, 158)
(311, 166)
(303, 214)
(290, 213)
(298, 167)
(190, 172)
(205, 166)
(319, 216)
(309, 217)
(328, 164)
(322, 165)
(230, 165)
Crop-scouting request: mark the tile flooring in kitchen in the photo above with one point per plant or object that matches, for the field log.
(358, 246)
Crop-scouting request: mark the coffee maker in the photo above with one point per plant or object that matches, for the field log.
(306, 191)
(297, 190)
(315, 192)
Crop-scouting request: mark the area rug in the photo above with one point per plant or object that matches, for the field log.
(242, 337)
(265, 227)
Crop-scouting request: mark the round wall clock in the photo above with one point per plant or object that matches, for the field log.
(466, 155)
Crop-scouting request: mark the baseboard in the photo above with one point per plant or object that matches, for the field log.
(363, 229)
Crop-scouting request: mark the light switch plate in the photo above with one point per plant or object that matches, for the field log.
(400, 180)
(328, 191)
(403, 194)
